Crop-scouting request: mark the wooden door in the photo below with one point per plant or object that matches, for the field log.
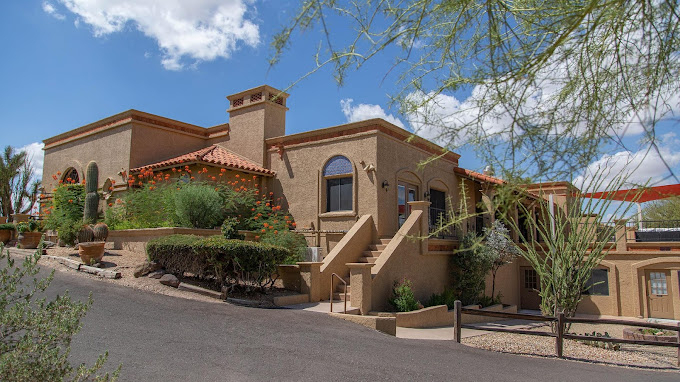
(529, 297)
(659, 294)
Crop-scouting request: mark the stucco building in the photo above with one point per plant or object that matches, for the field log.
(356, 190)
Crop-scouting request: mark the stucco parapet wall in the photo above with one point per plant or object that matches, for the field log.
(139, 117)
(387, 325)
(136, 239)
(370, 126)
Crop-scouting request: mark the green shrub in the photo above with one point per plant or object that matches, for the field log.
(150, 206)
(199, 206)
(469, 268)
(231, 263)
(403, 299)
(7, 226)
(36, 334)
(230, 228)
(67, 232)
(447, 297)
(67, 206)
(293, 242)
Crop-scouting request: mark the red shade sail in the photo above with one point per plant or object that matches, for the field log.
(645, 194)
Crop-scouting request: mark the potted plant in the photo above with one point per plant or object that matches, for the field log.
(29, 235)
(6, 231)
(91, 241)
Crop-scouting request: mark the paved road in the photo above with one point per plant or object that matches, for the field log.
(161, 338)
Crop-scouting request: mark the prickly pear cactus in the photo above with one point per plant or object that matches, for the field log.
(86, 234)
(101, 232)
(92, 198)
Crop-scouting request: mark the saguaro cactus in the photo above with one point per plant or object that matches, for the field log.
(92, 198)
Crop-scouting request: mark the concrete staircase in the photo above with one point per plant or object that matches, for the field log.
(371, 255)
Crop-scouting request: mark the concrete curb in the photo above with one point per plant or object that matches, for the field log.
(85, 268)
(199, 290)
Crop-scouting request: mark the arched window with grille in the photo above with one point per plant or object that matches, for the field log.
(71, 176)
(338, 174)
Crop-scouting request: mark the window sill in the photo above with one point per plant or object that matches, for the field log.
(338, 214)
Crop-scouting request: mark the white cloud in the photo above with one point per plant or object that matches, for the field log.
(201, 30)
(52, 11)
(362, 112)
(644, 167)
(37, 157)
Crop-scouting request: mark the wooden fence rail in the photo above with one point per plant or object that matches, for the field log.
(560, 322)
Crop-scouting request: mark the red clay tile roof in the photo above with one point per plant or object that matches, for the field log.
(214, 155)
(478, 176)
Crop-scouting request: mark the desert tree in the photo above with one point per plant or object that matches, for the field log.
(500, 248)
(18, 191)
(551, 85)
(35, 334)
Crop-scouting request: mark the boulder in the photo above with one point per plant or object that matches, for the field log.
(170, 280)
(146, 268)
(156, 274)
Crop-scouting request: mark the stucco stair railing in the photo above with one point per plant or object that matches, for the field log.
(348, 250)
(370, 255)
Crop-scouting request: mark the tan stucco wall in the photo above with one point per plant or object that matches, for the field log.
(627, 283)
(299, 171)
(110, 149)
(401, 260)
(152, 144)
(399, 161)
(250, 126)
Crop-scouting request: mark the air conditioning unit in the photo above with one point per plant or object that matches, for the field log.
(314, 254)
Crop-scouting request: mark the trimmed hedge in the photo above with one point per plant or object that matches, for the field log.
(7, 226)
(230, 262)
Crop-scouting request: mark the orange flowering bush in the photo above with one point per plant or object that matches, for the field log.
(64, 213)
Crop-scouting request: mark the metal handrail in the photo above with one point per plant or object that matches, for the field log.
(345, 283)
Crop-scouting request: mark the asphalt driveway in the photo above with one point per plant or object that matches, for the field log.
(161, 338)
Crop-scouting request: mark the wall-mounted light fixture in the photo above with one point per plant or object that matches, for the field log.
(385, 184)
(367, 167)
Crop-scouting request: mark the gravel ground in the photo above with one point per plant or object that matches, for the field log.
(638, 356)
(125, 262)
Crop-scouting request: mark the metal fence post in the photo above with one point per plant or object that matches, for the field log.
(560, 332)
(457, 306)
(678, 343)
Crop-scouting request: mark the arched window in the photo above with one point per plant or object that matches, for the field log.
(338, 175)
(71, 176)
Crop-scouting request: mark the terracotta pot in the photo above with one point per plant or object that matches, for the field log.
(3, 219)
(5, 235)
(29, 240)
(91, 253)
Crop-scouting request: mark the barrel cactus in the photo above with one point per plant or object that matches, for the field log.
(101, 232)
(92, 198)
(86, 234)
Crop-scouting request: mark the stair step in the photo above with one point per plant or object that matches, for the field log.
(368, 259)
(372, 253)
(377, 247)
(341, 296)
(341, 288)
(385, 241)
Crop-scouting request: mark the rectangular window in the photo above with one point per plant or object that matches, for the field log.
(530, 279)
(658, 283)
(339, 194)
(598, 283)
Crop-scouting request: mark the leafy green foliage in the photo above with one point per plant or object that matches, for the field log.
(36, 333)
(294, 242)
(447, 297)
(65, 212)
(231, 263)
(469, 268)
(17, 193)
(499, 248)
(149, 206)
(662, 210)
(198, 206)
(7, 226)
(403, 299)
(600, 344)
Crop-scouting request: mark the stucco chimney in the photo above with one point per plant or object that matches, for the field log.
(255, 115)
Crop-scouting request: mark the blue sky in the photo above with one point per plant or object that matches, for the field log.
(72, 62)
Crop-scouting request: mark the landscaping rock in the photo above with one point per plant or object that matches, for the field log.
(170, 280)
(146, 268)
(156, 274)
